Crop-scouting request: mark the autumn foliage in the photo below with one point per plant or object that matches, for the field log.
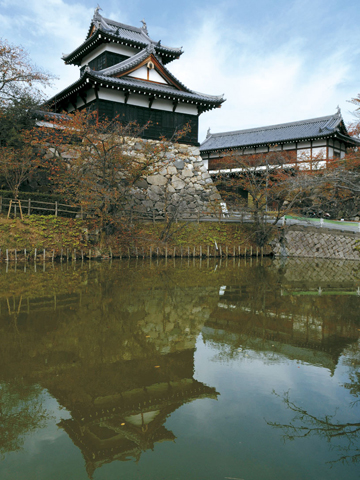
(95, 163)
(18, 76)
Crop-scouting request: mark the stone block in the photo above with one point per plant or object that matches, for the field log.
(172, 170)
(157, 189)
(153, 196)
(157, 180)
(141, 183)
(179, 164)
(187, 172)
(177, 183)
(159, 205)
(194, 151)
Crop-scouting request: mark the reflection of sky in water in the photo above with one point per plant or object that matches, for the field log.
(215, 438)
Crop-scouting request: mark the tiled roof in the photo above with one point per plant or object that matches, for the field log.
(126, 31)
(129, 83)
(158, 88)
(127, 64)
(120, 32)
(285, 132)
(136, 60)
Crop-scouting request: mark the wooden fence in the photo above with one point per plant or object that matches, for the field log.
(31, 207)
(72, 255)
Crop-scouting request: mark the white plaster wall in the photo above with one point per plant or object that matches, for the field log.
(319, 143)
(142, 73)
(90, 96)
(112, 95)
(155, 77)
(162, 104)
(139, 73)
(138, 100)
(304, 144)
(289, 146)
(79, 102)
(304, 154)
(111, 47)
(187, 108)
(319, 152)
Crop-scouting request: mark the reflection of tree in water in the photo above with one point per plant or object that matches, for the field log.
(352, 360)
(21, 413)
(343, 437)
(118, 352)
(119, 357)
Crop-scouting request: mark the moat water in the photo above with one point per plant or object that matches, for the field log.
(180, 370)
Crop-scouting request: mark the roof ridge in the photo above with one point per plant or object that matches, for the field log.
(272, 127)
(123, 25)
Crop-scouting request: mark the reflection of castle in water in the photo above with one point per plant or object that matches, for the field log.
(120, 366)
(314, 330)
(118, 351)
(119, 424)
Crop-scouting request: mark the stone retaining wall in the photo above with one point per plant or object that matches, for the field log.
(308, 272)
(181, 183)
(304, 242)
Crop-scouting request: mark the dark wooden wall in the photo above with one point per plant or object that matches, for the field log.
(105, 60)
(162, 123)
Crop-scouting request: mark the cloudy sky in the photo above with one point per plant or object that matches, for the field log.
(275, 60)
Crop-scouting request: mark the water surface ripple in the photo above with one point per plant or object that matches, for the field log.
(188, 369)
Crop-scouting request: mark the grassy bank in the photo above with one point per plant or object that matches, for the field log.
(61, 234)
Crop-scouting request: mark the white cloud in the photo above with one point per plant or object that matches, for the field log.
(47, 29)
(271, 69)
(263, 86)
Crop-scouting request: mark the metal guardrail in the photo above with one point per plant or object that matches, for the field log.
(195, 215)
(322, 223)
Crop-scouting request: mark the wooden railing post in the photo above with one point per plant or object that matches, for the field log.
(56, 209)
(29, 206)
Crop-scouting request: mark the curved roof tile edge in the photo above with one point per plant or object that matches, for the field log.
(334, 120)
